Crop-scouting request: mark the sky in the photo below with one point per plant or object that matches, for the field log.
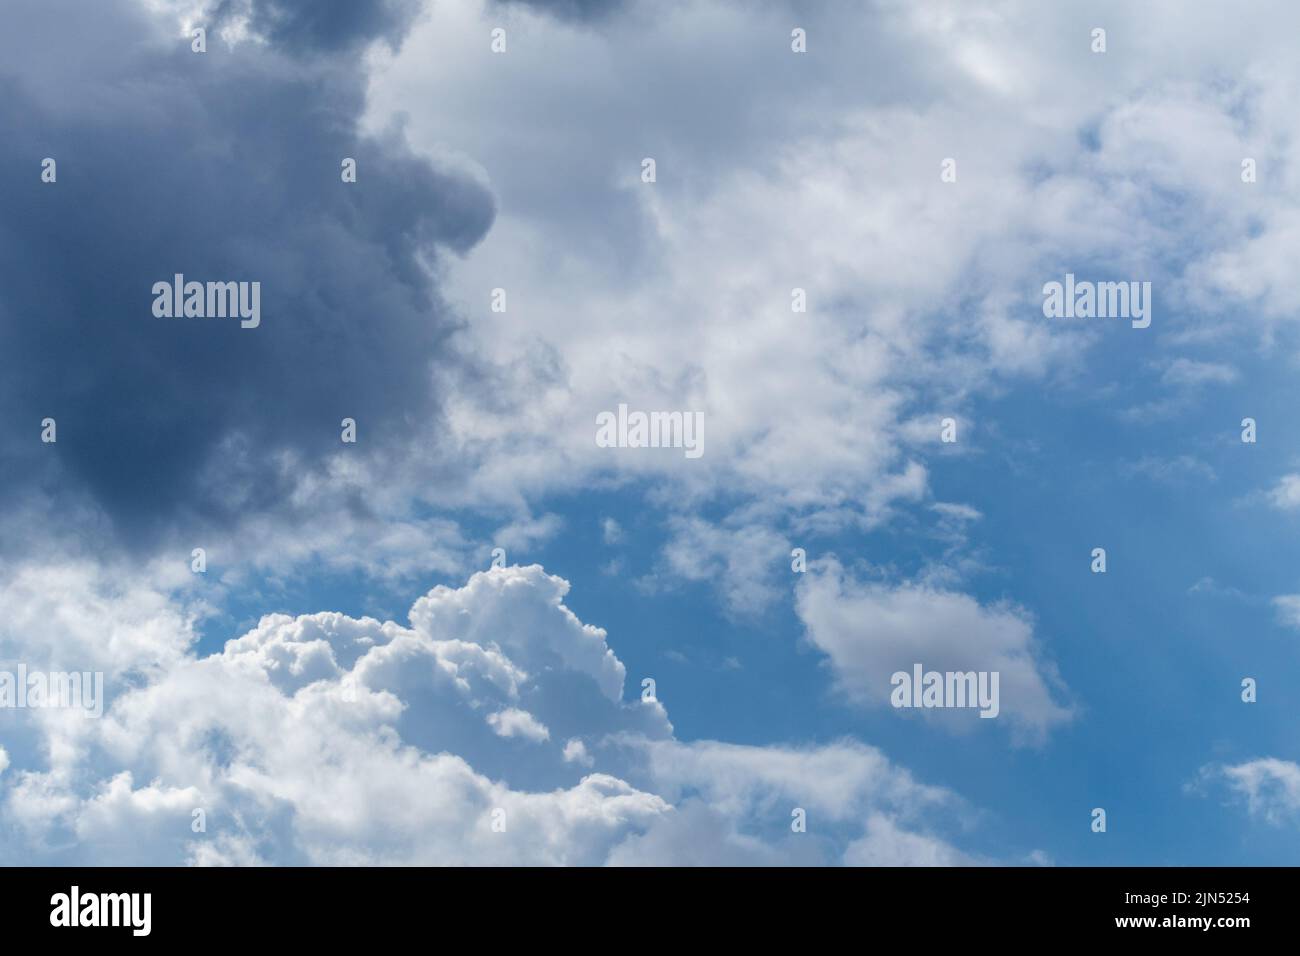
(478, 634)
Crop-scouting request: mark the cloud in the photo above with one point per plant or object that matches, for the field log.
(575, 751)
(527, 532)
(319, 25)
(904, 317)
(928, 300)
(735, 806)
(1188, 373)
(1288, 609)
(1269, 786)
(678, 296)
(567, 10)
(221, 166)
(884, 844)
(870, 630)
(1169, 470)
(1285, 495)
(919, 305)
(85, 616)
(611, 531)
(513, 722)
(750, 557)
(491, 729)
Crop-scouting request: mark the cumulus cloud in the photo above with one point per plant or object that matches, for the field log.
(490, 729)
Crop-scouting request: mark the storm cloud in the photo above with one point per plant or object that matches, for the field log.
(223, 166)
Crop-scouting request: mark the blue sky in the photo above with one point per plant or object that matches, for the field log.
(352, 680)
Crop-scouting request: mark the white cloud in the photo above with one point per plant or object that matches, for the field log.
(528, 532)
(575, 751)
(870, 630)
(1270, 787)
(327, 739)
(884, 844)
(1188, 373)
(89, 619)
(736, 804)
(926, 297)
(1288, 609)
(1170, 470)
(1285, 495)
(513, 722)
(743, 562)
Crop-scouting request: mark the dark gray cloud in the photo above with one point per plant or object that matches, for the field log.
(321, 25)
(221, 166)
(569, 9)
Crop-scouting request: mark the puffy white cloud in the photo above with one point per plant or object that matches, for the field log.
(513, 722)
(83, 617)
(524, 613)
(870, 630)
(575, 751)
(491, 729)
(124, 825)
